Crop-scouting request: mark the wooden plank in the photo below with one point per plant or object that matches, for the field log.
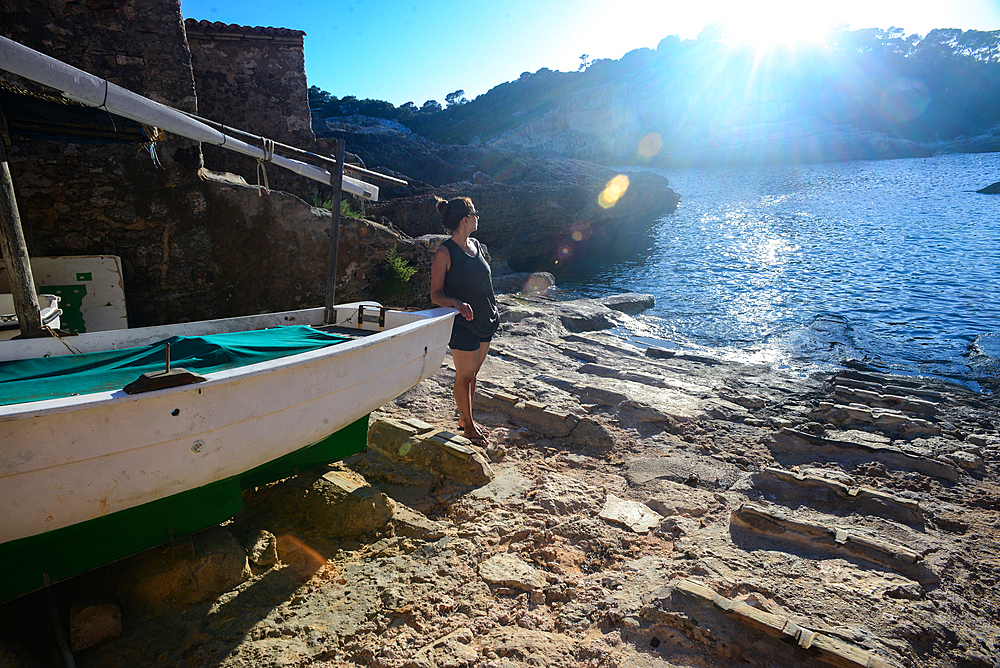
(331, 281)
(15, 255)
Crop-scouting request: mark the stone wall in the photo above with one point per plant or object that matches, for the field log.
(80, 199)
(191, 248)
(253, 79)
(137, 44)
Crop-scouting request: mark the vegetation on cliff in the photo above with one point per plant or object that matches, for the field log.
(937, 87)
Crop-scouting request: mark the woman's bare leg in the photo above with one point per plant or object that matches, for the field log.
(467, 366)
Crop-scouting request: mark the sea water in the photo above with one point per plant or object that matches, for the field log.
(891, 264)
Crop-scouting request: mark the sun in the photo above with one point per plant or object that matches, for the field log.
(767, 25)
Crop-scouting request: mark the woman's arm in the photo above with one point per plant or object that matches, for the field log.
(439, 267)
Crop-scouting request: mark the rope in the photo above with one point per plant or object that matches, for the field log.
(104, 106)
(154, 135)
(268, 149)
(51, 332)
(61, 340)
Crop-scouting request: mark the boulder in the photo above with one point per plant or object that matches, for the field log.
(537, 212)
(93, 620)
(329, 499)
(160, 580)
(631, 303)
(441, 453)
(547, 225)
(532, 283)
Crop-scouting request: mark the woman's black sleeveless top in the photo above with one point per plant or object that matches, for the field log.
(470, 280)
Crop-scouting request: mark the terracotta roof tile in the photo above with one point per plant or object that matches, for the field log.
(218, 26)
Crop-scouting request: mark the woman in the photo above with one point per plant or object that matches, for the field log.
(461, 279)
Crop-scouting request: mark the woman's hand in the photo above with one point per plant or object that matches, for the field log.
(464, 309)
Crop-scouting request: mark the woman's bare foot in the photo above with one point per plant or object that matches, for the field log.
(476, 438)
(481, 432)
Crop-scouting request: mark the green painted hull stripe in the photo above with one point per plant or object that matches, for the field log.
(74, 549)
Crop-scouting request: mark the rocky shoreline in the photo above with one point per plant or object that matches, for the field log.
(633, 508)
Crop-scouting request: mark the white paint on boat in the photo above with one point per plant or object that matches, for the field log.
(71, 459)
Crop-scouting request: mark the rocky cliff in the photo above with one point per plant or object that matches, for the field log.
(610, 124)
(699, 102)
(538, 212)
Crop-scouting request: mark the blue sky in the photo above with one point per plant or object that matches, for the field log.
(420, 50)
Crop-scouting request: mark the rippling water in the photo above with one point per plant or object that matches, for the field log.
(892, 263)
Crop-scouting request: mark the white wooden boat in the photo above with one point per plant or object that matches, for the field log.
(110, 473)
(91, 472)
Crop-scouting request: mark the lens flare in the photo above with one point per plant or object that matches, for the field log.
(649, 145)
(299, 556)
(562, 253)
(579, 230)
(905, 99)
(537, 284)
(613, 191)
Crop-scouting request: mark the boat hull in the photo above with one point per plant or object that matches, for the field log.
(66, 552)
(108, 462)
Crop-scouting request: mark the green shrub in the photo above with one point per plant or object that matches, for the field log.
(346, 206)
(396, 275)
(346, 209)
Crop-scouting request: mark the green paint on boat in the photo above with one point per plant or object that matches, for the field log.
(71, 303)
(75, 549)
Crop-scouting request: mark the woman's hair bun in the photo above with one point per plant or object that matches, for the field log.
(442, 206)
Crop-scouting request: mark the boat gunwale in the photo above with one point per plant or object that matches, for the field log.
(31, 409)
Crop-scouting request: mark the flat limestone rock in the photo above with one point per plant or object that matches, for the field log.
(636, 516)
(506, 570)
(741, 632)
(965, 460)
(577, 315)
(671, 498)
(509, 484)
(566, 495)
(686, 469)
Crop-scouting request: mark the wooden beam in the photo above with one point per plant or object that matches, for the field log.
(15, 255)
(331, 283)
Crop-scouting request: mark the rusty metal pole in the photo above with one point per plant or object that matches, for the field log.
(15, 255)
(331, 281)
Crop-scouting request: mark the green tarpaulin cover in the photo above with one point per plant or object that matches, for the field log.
(49, 377)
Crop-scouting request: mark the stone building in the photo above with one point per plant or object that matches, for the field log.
(253, 79)
(191, 247)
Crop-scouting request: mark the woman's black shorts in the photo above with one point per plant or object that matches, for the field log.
(462, 338)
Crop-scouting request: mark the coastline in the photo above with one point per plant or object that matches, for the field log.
(630, 509)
